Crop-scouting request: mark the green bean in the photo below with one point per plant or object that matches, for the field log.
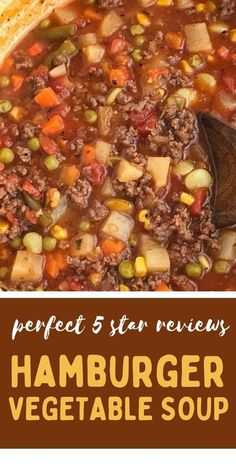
(126, 269)
(58, 32)
(193, 270)
(67, 49)
(5, 106)
(31, 202)
(44, 219)
(6, 155)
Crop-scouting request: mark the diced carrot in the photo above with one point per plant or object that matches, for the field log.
(47, 98)
(112, 246)
(223, 52)
(7, 65)
(154, 74)
(69, 174)
(119, 76)
(88, 154)
(51, 267)
(119, 45)
(36, 49)
(48, 145)
(60, 259)
(17, 82)
(163, 288)
(92, 14)
(54, 126)
(29, 188)
(174, 40)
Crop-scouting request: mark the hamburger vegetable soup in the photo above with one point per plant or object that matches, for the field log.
(105, 178)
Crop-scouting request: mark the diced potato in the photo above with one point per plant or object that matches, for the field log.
(156, 257)
(111, 23)
(58, 71)
(206, 82)
(197, 37)
(83, 245)
(118, 226)
(28, 267)
(60, 210)
(105, 114)
(184, 4)
(94, 53)
(127, 172)
(188, 94)
(159, 168)
(228, 246)
(146, 3)
(107, 189)
(87, 39)
(67, 14)
(103, 151)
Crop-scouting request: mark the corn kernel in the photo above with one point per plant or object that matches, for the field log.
(59, 233)
(4, 226)
(210, 6)
(232, 35)
(53, 197)
(95, 278)
(204, 262)
(124, 288)
(210, 58)
(143, 19)
(143, 216)
(186, 198)
(186, 67)
(164, 3)
(17, 113)
(140, 268)
(200, 7)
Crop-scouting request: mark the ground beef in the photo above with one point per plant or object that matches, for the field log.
(181, 254)
(22, 60)
(160, 218)
(182, 283)
(80, 193)
(153, 46)
(178, 79)
(97, 211)
(126, 137)
(225, 8)
(75, 146)
(149, 282)
(23, 153)
(29, 130)
(182, 123)
(39, 179)
(103, 4)
(141, 188)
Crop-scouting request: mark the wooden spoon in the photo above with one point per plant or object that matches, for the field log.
(221, 139)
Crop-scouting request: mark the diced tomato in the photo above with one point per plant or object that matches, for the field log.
(96, 173)
(119, 45)
(61, 83)
(63, 110)
(31, 217)
(200, 196)
(17, 82)
(230, 82)
(29, 188)
(10, 217)
(139, 118)
(48, 145)
(77, 286)
(223, 52)
(36, 49)
(146, 127)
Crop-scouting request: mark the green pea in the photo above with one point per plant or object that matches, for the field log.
(140, 40)
(3, 272)
(84, 225)
(16, 243)
(51, 163)
(137, 55)
(5, 106)
(133, 240)
(45, 23)
(126, 269)
(49, 243)
(195, 61)
(221, 266)
(4, 81)
(90, 116)
(33, 242)
(136, 30)
(34, 144)
(193, 270)
(6, 155)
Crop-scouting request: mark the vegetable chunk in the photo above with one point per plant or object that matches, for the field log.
(159, 167)
(118, 226)
(156, 257)
(28, 267)
(197, 37)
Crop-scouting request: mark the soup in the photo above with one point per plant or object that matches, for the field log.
(105, 177)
